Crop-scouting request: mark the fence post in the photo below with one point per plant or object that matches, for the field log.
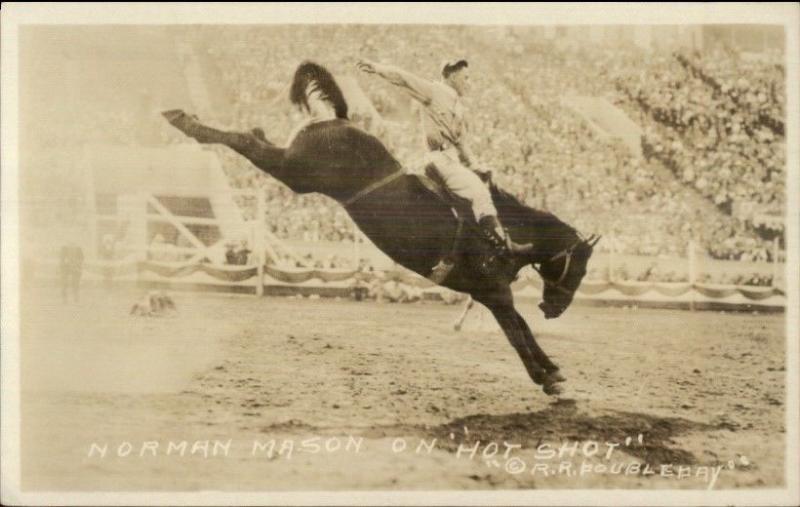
(356, 246)
(140, 219)
(692, 273)
(611, 251)
(260, 224)
(775, 270)
(145, 223)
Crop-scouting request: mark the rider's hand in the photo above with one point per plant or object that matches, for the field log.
(366, 66)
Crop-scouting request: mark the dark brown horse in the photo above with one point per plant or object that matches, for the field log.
(409, 222)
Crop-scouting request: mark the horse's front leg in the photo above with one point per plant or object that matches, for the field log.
(251, 145)
(502, 307)
(508, 322)
(553, 373)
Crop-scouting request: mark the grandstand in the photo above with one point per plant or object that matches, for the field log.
(538, 146)
(554, 117)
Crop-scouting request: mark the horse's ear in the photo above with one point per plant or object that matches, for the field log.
(593, 239)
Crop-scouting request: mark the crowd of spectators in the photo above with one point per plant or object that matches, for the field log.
(755, 83)
(716, 122)
(535, 146)
(713, 143)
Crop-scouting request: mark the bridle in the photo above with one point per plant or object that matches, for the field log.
(566, 253)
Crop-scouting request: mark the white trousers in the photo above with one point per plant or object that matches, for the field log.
(463, 182)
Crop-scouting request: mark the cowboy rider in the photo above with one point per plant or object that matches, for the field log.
(443, 118)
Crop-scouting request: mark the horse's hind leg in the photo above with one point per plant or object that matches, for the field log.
(251, 145)
(467, 307)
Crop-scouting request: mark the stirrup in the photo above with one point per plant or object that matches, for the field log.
(441, 270)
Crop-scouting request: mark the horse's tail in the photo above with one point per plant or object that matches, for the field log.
(321, 80)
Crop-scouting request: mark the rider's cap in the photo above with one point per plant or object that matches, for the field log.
(450, 66)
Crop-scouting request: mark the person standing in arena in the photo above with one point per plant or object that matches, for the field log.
(71, 269)
(443, 117)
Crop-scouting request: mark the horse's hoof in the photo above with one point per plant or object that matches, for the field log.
(556, 376)
(173, 114)
(179, 118)
(552, 389)
(189, 124)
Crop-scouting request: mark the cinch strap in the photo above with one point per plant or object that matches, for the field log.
(374, 186)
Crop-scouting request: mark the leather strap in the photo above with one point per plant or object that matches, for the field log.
(373, 187)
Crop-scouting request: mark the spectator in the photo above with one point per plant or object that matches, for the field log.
(71, 269)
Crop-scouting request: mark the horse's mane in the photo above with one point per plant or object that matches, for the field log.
(318, 77)
(535, 223)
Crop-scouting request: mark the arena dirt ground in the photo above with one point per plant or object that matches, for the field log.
(348, 391)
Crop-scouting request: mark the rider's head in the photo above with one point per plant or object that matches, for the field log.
(456, 74)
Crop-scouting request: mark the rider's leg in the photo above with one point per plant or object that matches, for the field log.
(465, 183)
(497, 233)
(486, 215)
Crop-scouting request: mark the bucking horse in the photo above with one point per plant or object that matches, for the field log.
(411, 220)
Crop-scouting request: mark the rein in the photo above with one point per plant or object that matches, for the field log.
(373, 187)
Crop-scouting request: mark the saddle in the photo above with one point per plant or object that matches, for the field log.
(433, 182)
(462, 211)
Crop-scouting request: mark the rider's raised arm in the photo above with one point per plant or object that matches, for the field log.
(420, 89)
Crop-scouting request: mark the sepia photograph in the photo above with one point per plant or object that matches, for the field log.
(256, 254)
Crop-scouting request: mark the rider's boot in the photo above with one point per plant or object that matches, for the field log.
(497, 235)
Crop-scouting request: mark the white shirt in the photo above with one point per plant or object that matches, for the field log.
(442, 112)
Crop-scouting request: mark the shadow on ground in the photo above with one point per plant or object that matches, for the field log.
(562, 421)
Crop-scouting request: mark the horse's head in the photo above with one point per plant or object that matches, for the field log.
(562, 274)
